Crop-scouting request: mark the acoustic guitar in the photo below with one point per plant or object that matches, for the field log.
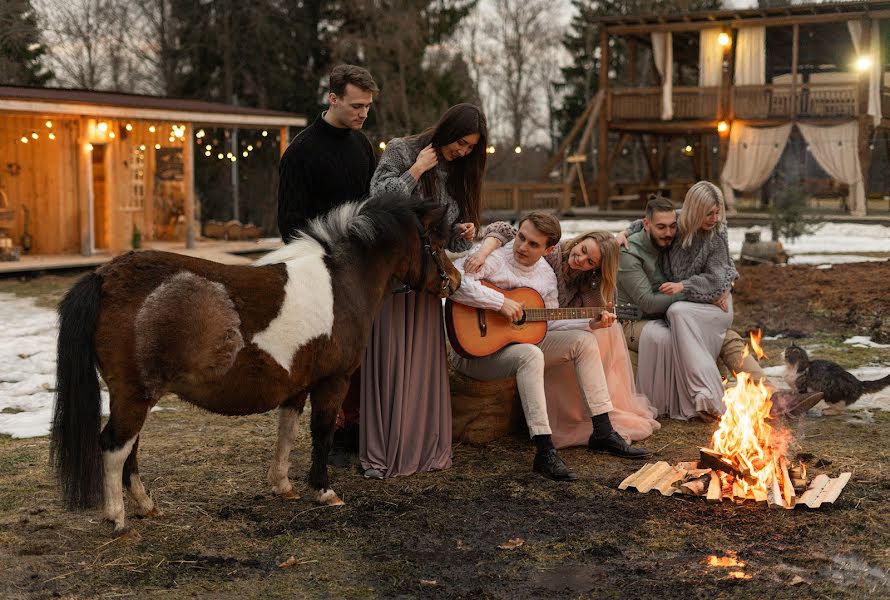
(477, 332)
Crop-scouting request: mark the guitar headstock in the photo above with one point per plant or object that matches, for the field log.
(628, 312)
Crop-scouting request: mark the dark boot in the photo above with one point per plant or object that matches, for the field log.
(549, 464)
(615, 444)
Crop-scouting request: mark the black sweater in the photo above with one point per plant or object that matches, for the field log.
(323, 167)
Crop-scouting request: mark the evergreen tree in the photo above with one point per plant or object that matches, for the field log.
(20, 47)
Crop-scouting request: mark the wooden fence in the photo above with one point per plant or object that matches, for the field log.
(519, 198)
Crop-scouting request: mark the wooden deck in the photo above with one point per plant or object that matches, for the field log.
(231, 253)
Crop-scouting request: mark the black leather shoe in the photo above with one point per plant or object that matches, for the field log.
(615, 444)
(549, 464)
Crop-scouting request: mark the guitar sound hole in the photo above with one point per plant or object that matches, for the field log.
(522, 320)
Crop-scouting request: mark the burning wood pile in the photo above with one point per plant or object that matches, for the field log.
(747, 459)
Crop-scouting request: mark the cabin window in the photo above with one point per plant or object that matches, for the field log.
(136, 200)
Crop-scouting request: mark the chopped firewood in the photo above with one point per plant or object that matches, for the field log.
(715, 488)
(710, 459)
(666, 485)
(661, 469)
(738, 492)
(696, 486)
(787, 484)
(824, 489)
(759, 495)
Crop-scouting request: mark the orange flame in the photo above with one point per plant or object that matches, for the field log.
(746, 439)
(755, 337)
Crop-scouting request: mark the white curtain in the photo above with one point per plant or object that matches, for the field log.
(750, 56)
(877, 64)
(753, 154)
(663, 53)
(836, 149)
(710, 58)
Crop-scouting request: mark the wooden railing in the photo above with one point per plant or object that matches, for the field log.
(523, 197)
(628, 104)
(808, 100)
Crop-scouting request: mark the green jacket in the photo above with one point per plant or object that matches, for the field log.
(639, 277)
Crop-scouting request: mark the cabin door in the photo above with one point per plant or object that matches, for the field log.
(101, 209)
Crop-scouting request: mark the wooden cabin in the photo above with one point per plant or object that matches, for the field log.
(80, 169)
(727, 88)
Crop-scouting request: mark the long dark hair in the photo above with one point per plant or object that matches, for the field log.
(465, 174)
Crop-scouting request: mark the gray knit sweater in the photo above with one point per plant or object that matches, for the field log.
(705, 267)
(392, 176)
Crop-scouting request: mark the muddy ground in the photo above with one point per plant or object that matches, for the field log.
(223, 534)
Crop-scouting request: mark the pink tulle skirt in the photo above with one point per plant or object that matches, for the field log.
(632, 415)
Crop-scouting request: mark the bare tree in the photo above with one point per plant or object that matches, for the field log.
(90, 43)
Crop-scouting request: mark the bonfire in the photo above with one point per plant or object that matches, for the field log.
(747, 459)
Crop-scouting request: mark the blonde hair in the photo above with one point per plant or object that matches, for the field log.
(608, 268)
(700, 199)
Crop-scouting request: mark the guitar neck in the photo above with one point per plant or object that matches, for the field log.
(561, 314)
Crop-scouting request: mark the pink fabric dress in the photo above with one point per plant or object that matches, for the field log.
(633, 415)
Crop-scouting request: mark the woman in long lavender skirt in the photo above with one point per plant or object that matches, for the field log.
(405, 398)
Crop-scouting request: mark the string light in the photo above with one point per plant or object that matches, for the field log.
(34, 135)
(157, 146)
(52, 135)
(207, 153)
(722, 127)
(24, 139)
(250, 148)
(518, 149)
(244, 154)
(219, 156)
(490, 150)
(128, 127)
(208, 147)
(382, 145)
(723, 39)
(88, 147)
(142, 147)
(102, 126)
(863, 63)
(49, 124)
(265, 133)
(111, 134)
(151, 129)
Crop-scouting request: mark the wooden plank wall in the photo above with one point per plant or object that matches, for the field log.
(50, 184)
(46, 181)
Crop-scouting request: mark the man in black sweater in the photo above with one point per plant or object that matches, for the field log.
(331, 161)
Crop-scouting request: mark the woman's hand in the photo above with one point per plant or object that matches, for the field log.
(467, 231)
(426, 160)
(621, 238)
(670, 288)
(723, 301)
(474, 262)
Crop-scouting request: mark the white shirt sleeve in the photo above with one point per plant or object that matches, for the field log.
(569, 324)
(471, 292)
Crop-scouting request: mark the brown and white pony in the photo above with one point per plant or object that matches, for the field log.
(234, 340)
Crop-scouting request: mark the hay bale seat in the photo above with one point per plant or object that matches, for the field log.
(483, 411)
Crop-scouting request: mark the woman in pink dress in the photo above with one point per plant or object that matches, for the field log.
(586, 270)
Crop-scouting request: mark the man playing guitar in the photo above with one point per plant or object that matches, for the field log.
(516, 265)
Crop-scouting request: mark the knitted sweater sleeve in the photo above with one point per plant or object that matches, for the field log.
(501, 231)
(392, 173)
(719, 271)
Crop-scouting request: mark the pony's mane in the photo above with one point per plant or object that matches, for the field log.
(377, 222)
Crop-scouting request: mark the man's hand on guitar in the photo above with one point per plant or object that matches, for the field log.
(607, 319)
(475, 261)
(512, 310)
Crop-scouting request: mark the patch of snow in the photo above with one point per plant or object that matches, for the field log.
(863, 341)
(825, 261)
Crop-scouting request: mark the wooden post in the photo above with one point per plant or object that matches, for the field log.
(866, 125)
(188, 180)
(85, 189)
(632, 63)
(283, 135)
(724, 100)
(602, 179)
(795, 43)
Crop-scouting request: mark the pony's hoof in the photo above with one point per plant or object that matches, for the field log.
(153, 512)
(288, 495)
(328, 497)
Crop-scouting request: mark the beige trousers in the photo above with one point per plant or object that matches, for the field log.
(527, 363)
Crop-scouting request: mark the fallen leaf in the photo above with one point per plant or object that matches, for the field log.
(289, 562)
(796, 580)
(512, 544)
(429, 582)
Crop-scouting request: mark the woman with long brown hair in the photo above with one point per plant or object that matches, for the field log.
(586, 268)
(406, 398)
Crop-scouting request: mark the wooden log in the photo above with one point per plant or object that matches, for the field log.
(697, 486)
(811, 496)
(787, 485)
(661, 469)
(667, 483)
(636, 476)
(833, 489)
(759, 495)
(715, 488)
(712, 460)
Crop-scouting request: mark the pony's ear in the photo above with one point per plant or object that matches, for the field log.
(433, 217)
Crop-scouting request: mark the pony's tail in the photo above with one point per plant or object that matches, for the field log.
(876, 385)
(74, 449)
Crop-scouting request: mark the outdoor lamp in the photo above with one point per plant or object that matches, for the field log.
(863, 63)
(723, 39)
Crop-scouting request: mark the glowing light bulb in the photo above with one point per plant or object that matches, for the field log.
(265, 133)
(219, 156)
(207, 153)
(111, 134)
(152, 129)
(128, 127)
(142, 147)
(157, 146)
(34, 135)
(24, 139)
(89, 147)
(722, 127)
(250, 148)
(49, 124)
(863, 63)
(244, 154)
(490, 150)
(382, 145)
(518, 149)
(208, 147)
(102, 126)
(52, 136)
(723, 39)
